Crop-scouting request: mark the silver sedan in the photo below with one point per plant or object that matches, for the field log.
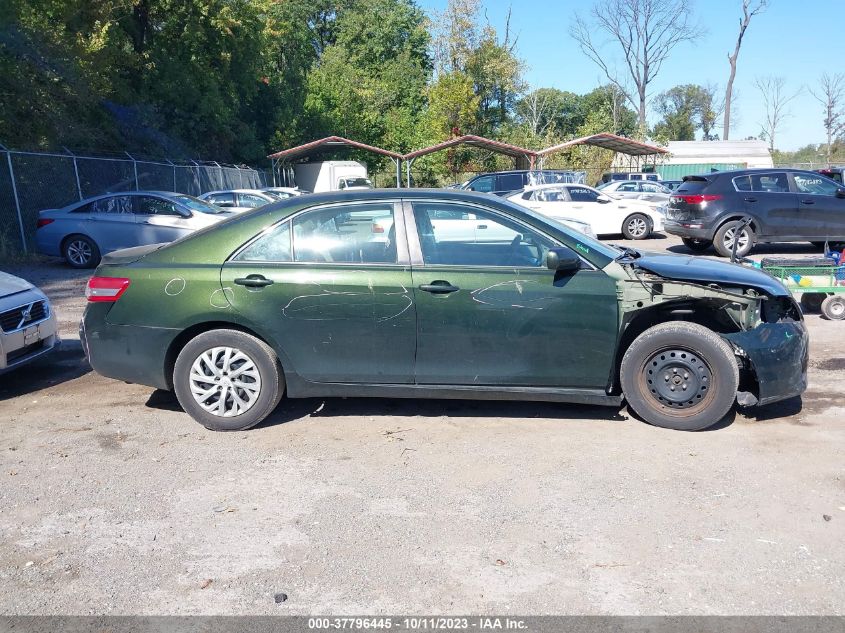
(27, 325)
(84, 231)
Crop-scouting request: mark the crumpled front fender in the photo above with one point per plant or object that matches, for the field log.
(778, 353)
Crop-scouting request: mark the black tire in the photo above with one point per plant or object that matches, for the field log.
(696, 245)
(812, 301)
(80, 251)
(833, 308)
(264, 361)
(723, 240)
(680, 354)
(636, 226)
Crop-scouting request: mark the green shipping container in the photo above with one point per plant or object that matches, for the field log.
(677, 172)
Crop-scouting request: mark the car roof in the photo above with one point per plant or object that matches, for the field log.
(113, 194)
(755, 170)
(233, 191)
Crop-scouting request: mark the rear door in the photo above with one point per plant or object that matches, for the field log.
(821, 210)
(331, 293)
(770, 200)
(111, 223)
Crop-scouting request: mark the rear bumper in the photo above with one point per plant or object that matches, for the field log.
(125, 352)
(692, 229)
(778, 354)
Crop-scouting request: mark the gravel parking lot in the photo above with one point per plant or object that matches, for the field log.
(113, 501)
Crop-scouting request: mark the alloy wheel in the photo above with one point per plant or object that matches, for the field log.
(637, 227)
(79, 252)
(742, 240)
(225, 381)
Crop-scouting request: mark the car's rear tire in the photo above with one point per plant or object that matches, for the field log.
(680, 375)
(236, 367)
(636, 226)
(80, 251)
(812, 301)
(833, 307)
(696, 245)
(723, 240)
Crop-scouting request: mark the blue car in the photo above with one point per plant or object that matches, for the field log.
(84, 231)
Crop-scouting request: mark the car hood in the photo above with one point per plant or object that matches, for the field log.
(705, 270)
(9, 284)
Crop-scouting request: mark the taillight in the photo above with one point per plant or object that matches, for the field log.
(106, 288)
(43, 222)
(697, 198)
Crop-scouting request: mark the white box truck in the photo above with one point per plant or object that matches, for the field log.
(331, 175)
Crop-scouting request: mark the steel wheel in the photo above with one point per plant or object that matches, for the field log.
(225, 381)
(677, 378)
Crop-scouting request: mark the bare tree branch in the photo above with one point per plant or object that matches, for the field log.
(831, 94)
(750, 8)
(645, 31)
(776, 103)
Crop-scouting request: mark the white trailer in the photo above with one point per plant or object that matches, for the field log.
(331, 175)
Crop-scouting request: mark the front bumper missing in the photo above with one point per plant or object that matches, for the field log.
(778, 354)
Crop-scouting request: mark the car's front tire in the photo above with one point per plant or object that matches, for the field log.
(724, 239)
(636, 226)
(228, 380)
(80, 251)
(696, 245)
(680, 375)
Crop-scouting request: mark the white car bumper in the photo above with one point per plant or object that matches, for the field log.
(22, 338)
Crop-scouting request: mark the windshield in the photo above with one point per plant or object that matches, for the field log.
(200, 206)
(607, 250)
(357, 182)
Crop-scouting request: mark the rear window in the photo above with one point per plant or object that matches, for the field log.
(692, 185)
(509, 182)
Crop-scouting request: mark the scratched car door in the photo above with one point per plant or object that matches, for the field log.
(491, 313)
(332, 288)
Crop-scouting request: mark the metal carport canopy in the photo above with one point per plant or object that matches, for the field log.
(615, 143)
(473, 141)
(288, 155)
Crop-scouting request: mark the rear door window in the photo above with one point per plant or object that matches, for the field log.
(113, 205)
(628, 186)
(222, 199)
(483, 184)
(509, 182)
(251, 201)
(742, 183)
(775, 182)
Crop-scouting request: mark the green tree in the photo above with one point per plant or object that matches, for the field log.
(685, 109)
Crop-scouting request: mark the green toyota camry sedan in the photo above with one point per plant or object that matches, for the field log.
(437, 294)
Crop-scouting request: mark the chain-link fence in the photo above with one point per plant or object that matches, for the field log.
(32, 181)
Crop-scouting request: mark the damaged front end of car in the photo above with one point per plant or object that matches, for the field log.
(749, 309)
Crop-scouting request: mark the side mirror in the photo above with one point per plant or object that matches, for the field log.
(562, 259)
(185, 213)
(603, 199)
(840, 193)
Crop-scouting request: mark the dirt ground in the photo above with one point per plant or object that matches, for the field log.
(113, 501)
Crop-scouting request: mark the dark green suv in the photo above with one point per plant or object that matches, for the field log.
(436, 294)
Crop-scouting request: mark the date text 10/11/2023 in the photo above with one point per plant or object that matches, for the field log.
(485, 623)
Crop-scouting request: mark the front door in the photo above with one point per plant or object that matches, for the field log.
(332, 289)
(821, 210)
(158, 220)
(490, 313)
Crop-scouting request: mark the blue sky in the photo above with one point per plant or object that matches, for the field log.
(797, 40)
